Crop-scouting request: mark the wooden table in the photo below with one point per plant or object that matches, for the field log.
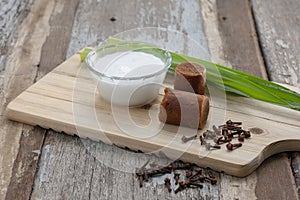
(260, 37)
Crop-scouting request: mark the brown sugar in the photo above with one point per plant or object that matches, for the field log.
(190, 77)
(184, 108)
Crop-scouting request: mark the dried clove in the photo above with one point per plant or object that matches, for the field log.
(144, 174)
(234, 128)
(201, 178)
(229, 122)
(216, 130)
(210, 178)
(198, 172)
(181, 186)
(209, 134)
(210, 147)
(188, 174)
(202, 140)
(224, 131)
(168, 184)
(231, 147)
(247, 134)
(176, 177)
(196, 184)
(221, 140)
(185, 139)
(182, 166)
(140, 181)
(231, 134)
(213, 181)
(241, 138)
(193, 182)
(140, 172)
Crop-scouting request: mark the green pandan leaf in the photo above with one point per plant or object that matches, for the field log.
(232, 80)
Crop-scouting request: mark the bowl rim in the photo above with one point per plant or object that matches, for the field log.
(134, 46)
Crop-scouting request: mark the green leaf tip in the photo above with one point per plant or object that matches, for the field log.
(84, 53)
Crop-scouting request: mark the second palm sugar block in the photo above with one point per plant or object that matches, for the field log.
(184, 108)
(190, 77)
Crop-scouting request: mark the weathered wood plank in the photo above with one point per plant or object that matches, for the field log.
(12, 13)
(295, 167)
(94, 25)
(55, 48)
(15, 26)
(26, 163)
(242, 49)
(239, 37)
(32, 38)
(278, 29)
(272, 174)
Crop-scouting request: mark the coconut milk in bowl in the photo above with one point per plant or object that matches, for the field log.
(129, 74)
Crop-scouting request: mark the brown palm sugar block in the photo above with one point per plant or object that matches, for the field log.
(184, 108)
(190, 77)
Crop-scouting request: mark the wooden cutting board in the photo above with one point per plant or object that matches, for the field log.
(66, 100)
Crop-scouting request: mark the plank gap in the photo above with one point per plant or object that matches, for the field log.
(38, 162)
(260, 48)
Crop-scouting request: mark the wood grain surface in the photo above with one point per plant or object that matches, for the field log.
(16, 31)
(52, 181)
(278, 27)
(278, 32)
(239, 37)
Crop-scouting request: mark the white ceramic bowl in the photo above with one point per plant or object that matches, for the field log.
(129, 73)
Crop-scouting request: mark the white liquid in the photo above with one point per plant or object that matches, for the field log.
(129, 65)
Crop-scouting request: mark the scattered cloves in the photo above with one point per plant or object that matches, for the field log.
(225, 133)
